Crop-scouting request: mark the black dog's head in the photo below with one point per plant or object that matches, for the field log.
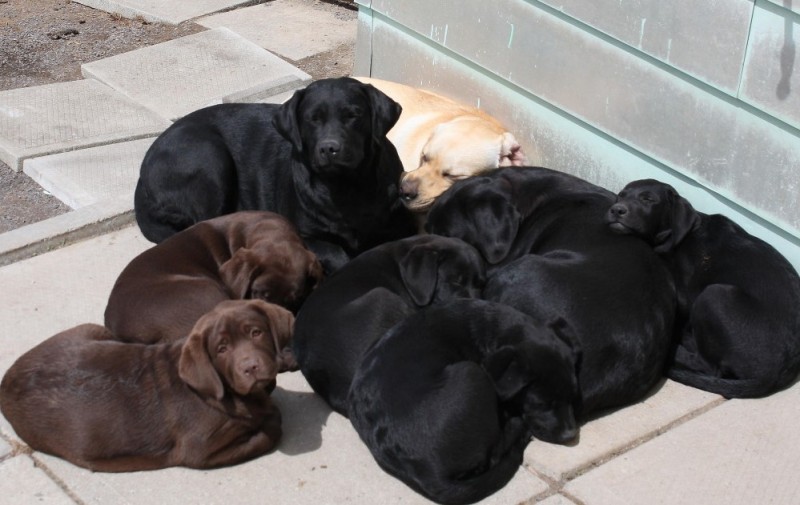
(479, 211)
(539, 374)
(435, 269)
(336, 124)
(653, 211)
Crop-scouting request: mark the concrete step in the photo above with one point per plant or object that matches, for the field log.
(177, 77)
(173, 12)
(284, 28)
(88, 176)
(65, 116)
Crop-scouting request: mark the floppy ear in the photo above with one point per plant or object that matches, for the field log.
(505, 370)
(314, 272)
(419, 270)
(385, 111)
(195, 367)
(286, 122)
(682, 220)
(566, 334)
(237, 273)
(511, 154)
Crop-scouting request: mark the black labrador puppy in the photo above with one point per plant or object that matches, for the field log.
(448, 399)
(379, 288)
(321, 159)
(739, 299)
(553, 256)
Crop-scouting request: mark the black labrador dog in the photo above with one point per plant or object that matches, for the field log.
(448, 399)
(360, 302)
(321, 159)
(553, 256)
(739, 299)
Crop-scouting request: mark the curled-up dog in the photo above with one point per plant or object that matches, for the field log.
(321, 159)
(551, 255)
(738, 332)
(448, 399)
(162, 292)
(382, 286)
(111, 406)
(441, 141)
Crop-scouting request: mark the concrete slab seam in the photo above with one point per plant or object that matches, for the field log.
(102, 142)
(601, 460)
(38, 463)
(17, 448)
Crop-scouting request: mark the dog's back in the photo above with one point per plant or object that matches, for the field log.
(740, 317)
(211, 148)
(445, 400)
(356, 305)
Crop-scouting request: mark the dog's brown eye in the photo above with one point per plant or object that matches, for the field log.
(423, 159)
(256, 333)
(222, 347)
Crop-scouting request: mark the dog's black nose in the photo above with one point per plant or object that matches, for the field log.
(618, 209)
(409, 189)
(329, 148)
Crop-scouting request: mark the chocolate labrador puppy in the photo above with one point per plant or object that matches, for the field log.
(110, 406)
(739, 299)
(448, 399)
(358, 304)
(553, 256)
(251, 254)
(321, 159)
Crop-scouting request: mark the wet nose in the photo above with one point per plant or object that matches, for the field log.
(618, 209)
(329, 149)
(251, 367)
(409, 189)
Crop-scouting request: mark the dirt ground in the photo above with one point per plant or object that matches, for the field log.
(46, 41)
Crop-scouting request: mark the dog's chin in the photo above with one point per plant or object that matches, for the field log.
(619, 228)
(262, 386)
(418, 206)
(337, 168)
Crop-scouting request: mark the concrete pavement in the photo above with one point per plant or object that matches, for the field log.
(679, 445)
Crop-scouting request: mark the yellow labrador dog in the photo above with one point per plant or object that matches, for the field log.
(440, 141)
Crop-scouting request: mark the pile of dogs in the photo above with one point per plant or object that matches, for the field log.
(285, 241)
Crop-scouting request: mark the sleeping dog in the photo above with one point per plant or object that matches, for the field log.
(321, 159)
(441, 141)
(448, 399)
(739, 299)
(358, 304)
(552, 256)
(250, 254)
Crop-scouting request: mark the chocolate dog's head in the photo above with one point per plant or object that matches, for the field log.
(653, 211)
(335, 124)
(236, 346)
(277, 271)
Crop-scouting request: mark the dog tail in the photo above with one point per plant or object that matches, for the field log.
(732, 388)
(503, 466)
